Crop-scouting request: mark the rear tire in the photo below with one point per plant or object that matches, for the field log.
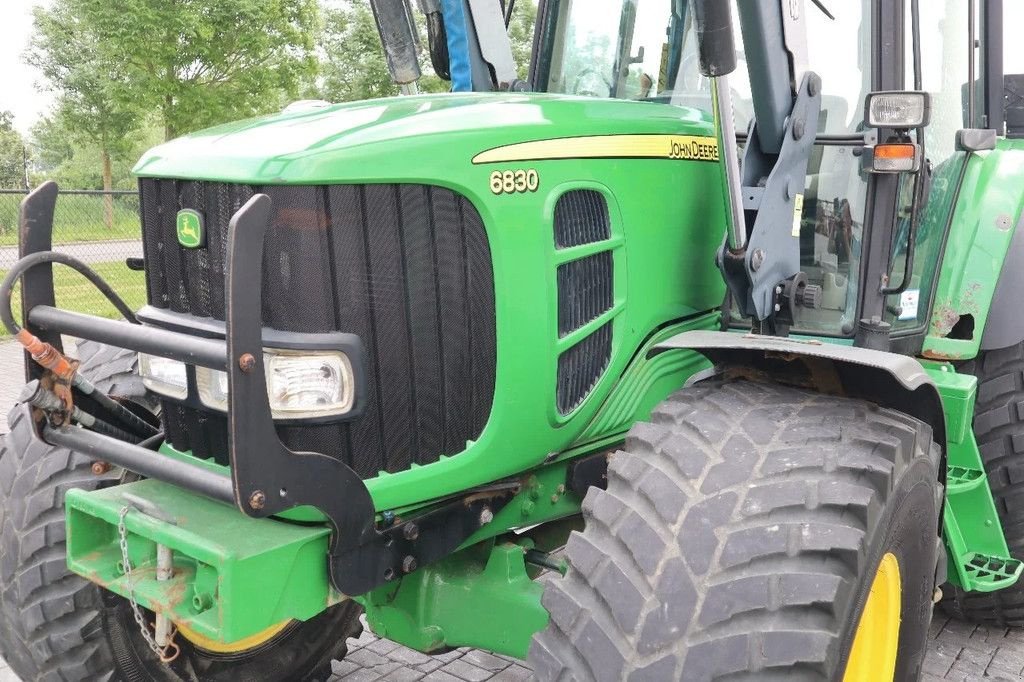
(738, 538)
(999, 430)
(55, 625)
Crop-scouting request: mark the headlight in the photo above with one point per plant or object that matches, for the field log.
(903, 109)
(163, 376)
(300, 384)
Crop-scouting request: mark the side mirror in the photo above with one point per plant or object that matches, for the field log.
(975, 139)
(398, 36)
(717, 47)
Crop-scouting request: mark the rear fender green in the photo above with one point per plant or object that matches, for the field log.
(985, 219)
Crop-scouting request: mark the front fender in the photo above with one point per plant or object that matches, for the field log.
(886, 379)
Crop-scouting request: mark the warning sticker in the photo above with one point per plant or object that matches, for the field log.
(798, 213)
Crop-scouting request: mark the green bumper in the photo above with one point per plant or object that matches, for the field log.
(234, 576)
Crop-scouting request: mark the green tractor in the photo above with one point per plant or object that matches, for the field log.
(547, 370)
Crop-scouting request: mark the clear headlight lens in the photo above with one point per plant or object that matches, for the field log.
(163, 376)
(300, 384)
(908, 109)
(213, 388)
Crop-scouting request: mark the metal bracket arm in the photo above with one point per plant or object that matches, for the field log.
(773, 189)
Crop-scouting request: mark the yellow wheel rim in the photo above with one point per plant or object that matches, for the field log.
(250, 642)
(876, 643)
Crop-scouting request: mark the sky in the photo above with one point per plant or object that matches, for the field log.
(20, 90)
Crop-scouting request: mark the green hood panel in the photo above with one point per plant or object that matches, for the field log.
(389, 139)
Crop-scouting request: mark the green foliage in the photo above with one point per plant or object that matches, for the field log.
(70, 53)
(12, 151)
(520, 33)
(203, 62)
(131, 72)
(352, 63)
(79, 164)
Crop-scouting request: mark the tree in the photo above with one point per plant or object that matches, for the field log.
(203, 62)
(352, 60)
(90, 110)
(352, 63)
(520, 34)
(12, 154)
(74, 163)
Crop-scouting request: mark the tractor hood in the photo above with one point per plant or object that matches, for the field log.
(401, 137)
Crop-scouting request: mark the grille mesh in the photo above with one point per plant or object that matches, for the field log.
(581, 217)
(584, 291)
(405, 267)
(581, 366)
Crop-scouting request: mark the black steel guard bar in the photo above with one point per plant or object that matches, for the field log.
(267, 478)
(186, 348)
(141, 461)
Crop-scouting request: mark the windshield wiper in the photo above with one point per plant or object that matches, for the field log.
(820, 5)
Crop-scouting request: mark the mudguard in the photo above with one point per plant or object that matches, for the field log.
(887, 379)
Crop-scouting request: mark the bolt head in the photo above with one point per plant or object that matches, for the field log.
(756, 259)
(257, 499)
(246, 362)
(411, 532)
(409, 564)
(798, 129)
(814, 85)
(486, 516)
(100, 468)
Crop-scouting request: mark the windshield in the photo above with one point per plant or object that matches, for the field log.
(647, 50)
(614, 48)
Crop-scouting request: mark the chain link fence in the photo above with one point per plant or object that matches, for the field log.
(100, 228)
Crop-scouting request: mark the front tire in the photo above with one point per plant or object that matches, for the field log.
(54, 625)
(739, 537)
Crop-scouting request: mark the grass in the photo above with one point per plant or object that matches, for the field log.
(74, 292)
(77, 218)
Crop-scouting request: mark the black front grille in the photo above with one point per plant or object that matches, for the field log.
(584, 291)
(581, 217)
(405, 267)
(581, 366)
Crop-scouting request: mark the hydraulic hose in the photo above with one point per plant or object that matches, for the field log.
(47, 401)
(32, 260)
(48, 356)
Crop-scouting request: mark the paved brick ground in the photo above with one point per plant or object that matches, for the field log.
(957, 651)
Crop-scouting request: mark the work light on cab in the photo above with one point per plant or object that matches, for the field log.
(901, 109)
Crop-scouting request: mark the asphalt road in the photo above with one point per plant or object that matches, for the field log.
(957, 651)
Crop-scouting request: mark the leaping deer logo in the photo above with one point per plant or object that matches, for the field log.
(190, 229)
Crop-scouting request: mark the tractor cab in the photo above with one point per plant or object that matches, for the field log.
(651, 53)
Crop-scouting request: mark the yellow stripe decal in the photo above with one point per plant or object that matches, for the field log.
(679, 147)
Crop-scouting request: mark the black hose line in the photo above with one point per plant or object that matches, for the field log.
(46, 400)
(129, 419)
(138, 425)
(34, 259)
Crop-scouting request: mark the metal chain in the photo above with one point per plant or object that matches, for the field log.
(162, 653)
